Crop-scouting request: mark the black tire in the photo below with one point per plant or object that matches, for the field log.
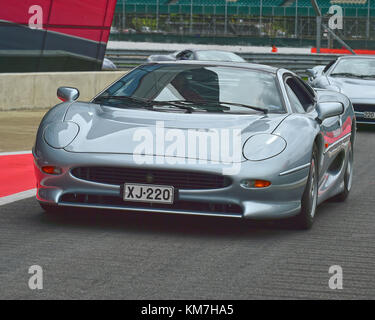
(348, 178)
(305, 219)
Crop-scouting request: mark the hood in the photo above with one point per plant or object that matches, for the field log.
(112, 130)
(355, 88)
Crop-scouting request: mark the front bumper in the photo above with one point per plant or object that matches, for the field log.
(281, 199)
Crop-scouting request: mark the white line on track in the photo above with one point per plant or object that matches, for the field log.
(17, 196)
(14, 153)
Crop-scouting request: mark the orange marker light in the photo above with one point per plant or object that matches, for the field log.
(261, 183)
(51, 170)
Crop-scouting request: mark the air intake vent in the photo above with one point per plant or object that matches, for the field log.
(192, 206)
(177, 179)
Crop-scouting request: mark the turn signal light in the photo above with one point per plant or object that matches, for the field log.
(261, 183)
(249, 184)
(51, 170)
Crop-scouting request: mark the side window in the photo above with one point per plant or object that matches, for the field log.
(185, 55)
(190, 56)
(296, 105)
(307, 87)
(301, 93)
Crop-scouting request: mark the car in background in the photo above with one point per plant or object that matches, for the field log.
(114, 30)
(269, 146)
(353, 76)
(145, 29)
(129, 31)
(201, 55)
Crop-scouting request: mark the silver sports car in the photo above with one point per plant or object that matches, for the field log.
(217, 139)
(201, 55)
(353, 76)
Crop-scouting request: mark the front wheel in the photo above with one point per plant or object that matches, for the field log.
(309, 200)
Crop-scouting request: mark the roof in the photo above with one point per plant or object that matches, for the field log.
(357, 56)
(244, 65)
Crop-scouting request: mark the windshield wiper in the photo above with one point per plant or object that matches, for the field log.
(220, 104)
(265, 111)
(148, 104)
(126, 98)
(181, 104)
(346, 74)
(371, 76)
(176, 104)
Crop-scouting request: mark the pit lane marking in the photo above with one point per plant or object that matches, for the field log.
(17, 196)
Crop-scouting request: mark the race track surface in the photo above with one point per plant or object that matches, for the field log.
(87, 255)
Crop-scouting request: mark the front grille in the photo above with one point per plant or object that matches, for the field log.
(177, 179)
(364, 107)
(191, 206)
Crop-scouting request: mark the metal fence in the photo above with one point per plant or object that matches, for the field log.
(125, 59)
(238, 20)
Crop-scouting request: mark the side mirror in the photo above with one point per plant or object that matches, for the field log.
(67, 94)
(328, 109)
(311, 73)
(314, 72)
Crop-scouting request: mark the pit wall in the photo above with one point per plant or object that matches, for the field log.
(38, 90)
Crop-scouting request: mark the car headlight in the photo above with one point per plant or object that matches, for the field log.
(60, 134)
(263, 146)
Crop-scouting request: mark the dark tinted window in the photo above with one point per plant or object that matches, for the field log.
(310, 90)
(304, 98)
(185, 55)
(202, 84)
(293, 99)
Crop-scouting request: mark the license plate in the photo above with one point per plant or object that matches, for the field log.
(369, 115)
(148, 193)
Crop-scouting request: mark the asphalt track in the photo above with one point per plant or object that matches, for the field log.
(110, 255)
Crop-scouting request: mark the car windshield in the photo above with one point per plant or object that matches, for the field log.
(361, 68)
(211, 55)
(195, 88)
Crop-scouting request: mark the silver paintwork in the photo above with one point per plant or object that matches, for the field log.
(359, 91)
(304, 166)
(103, 129)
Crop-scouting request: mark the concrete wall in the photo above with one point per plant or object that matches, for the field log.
(38, 90)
